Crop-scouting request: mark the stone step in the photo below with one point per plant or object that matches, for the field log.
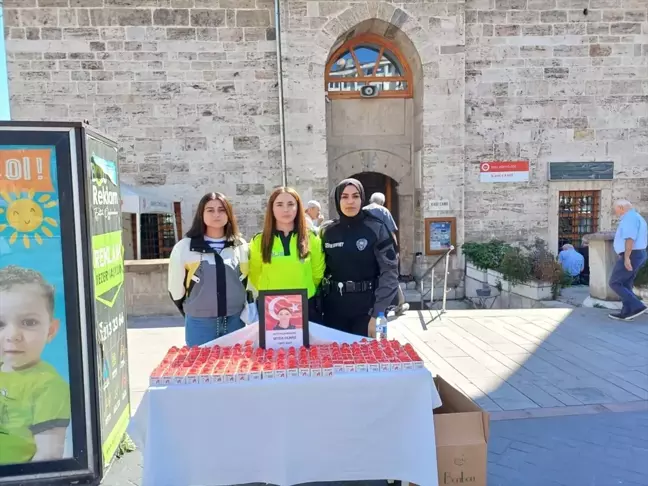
(412, 295)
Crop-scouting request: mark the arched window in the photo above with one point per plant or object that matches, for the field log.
(368, 59)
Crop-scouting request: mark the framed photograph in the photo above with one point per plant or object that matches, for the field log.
(283, 318)
(440, 235)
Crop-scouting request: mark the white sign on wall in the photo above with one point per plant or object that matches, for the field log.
(439, 205)
(504, 171)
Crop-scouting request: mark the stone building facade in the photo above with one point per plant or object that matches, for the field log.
(190, 89)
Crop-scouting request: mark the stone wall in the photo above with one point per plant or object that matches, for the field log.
(188, 87)
(431, 37)
(146, 289)
(547, 81)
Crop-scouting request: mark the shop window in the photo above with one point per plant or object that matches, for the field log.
(578, 215)
(365, 60)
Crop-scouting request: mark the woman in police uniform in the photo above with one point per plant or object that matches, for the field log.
(361, 276)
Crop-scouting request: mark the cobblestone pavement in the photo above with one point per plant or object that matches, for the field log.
(606, 449)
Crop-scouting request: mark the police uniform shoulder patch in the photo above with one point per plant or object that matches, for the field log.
(361, 244)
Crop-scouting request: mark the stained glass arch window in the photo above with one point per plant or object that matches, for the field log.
(364, 60)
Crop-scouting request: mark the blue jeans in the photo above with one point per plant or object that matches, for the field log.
(622, 281)
(201, 330)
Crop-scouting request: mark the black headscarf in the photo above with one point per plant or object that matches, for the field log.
(338, 196)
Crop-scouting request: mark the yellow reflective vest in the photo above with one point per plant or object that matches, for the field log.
(286, 270)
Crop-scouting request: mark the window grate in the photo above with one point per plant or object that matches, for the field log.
(578, 215)
(157, 234)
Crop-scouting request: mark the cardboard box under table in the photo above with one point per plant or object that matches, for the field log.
(461, 429)
(356, 426)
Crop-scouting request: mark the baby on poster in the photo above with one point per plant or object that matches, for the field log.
(34, 399)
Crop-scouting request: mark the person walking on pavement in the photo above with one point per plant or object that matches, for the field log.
(206, 270)
(361, 275)
(630, 242)
(377, 208)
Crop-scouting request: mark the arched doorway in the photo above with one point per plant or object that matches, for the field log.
(378, 138)
(377, 182)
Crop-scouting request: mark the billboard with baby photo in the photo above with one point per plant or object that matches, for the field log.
(283, 318)
(35, 410)
(49, 414)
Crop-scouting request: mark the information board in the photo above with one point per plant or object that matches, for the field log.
(108, 290)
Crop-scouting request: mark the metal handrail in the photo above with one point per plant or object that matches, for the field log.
(430, 272)
(431, 267)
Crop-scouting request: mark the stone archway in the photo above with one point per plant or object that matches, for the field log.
(392, 165)
(431, 39)
(378, 182)
(383, 134)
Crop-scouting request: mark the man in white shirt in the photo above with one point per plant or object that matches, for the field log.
(630, 242)
(314, 216)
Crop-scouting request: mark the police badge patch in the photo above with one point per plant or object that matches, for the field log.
(361, 244)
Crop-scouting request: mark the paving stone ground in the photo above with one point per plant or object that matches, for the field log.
(605, 449)
(567, 389)
(529, 362)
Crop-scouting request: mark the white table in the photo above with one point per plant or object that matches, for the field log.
(348, 427)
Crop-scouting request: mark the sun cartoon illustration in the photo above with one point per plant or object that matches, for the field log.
(25, 217)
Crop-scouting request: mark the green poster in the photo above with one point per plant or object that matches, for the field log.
(108, 286)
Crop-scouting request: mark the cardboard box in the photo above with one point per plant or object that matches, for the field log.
(461, 429)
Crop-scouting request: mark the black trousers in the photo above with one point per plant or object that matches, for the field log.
(315, 310)
(358, 325)
(348, 313)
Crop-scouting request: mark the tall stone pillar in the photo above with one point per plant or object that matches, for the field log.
(602, 258)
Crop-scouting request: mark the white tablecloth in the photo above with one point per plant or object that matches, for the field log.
(348, 427)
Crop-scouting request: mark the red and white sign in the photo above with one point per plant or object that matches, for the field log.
(504, 171)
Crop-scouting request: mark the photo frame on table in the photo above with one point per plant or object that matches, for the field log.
(440, 235)
(283, 318)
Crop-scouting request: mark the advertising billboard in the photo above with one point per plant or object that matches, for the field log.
(64, 401)
(108, 289)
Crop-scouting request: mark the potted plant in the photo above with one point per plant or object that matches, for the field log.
(529, 271)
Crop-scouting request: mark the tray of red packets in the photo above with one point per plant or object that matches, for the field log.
(244, 362)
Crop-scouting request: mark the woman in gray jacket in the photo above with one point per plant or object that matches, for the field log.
(206, 272)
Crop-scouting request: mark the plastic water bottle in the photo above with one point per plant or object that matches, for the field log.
(381, 326)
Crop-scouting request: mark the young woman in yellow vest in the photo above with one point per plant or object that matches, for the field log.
(287, 254)
(206, 272)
